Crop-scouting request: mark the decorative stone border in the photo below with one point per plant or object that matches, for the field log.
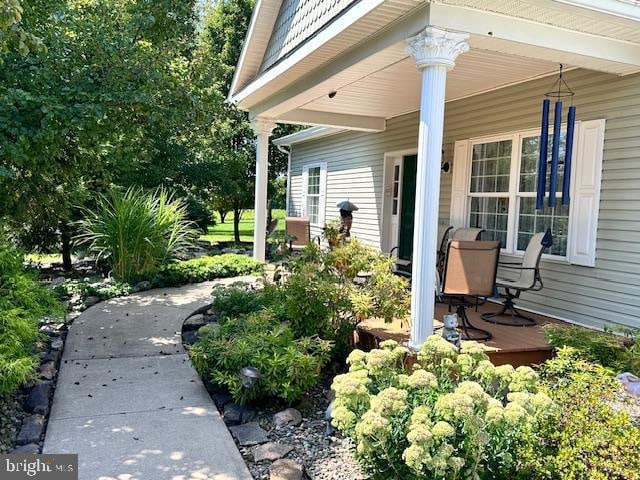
(280, 443)
(37, 396)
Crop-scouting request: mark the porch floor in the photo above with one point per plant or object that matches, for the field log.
(514, 345)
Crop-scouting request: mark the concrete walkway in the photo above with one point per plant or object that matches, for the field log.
(128, 401)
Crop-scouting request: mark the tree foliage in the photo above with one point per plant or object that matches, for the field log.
(13, 36)
(107, 99)
(126, 93)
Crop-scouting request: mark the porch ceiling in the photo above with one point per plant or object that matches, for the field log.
(366, 64)
(395, 89)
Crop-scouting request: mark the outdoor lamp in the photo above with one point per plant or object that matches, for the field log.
(249, 376)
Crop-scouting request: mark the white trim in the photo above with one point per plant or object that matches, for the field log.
(307, 135)
(322, 195)
(389, 157)
(323, 79)
(585, 181)
(537, 35)
(248, 41)
(334, 120)
(627, 9)
(358, 11)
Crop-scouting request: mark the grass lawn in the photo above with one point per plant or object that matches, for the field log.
(223, 232)
(43, 257)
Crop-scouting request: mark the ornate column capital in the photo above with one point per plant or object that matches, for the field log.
(434, 46)
(263, 126)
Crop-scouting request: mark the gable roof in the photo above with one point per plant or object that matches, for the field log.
(255, 43)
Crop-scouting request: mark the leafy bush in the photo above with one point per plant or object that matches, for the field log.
(289, 366)
(318, 296)
(23, 301)
(607, 349)
(206, 268)
(235, 300)
(584, 438)
(199, 213)
(456, 416)
(351, 258)
(137, 233)
(331, 233)
(84, 288)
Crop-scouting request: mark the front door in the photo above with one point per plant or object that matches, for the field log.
(407, 206)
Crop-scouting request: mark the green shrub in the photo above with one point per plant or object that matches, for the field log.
(199, 213)
(84, 288)
(607, 349)
(457, 416)
(289, 366)
(312, 301)
(137, 233)
(331, 233)
(350, 258)
(23, 301)
(235, 300)
(585, 438)
(206, 268)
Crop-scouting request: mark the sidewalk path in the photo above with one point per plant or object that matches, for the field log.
(128, 401)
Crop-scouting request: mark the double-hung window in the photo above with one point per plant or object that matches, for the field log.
(531, 221)
(313, 192)
(494, 188)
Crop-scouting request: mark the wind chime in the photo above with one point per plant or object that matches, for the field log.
(560, 91)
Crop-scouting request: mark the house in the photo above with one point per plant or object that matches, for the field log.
(394, 89)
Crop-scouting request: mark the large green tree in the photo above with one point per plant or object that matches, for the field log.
(231, 152)
(106, 97)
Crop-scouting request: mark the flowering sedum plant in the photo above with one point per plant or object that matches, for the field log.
(454, 416)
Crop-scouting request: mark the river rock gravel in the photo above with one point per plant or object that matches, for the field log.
(322, 457)
(11, 415)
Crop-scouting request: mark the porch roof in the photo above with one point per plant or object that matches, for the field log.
(361, 55)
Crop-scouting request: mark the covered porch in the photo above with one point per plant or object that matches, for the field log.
(387, 59)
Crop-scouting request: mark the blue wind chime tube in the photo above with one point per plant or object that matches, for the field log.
(566, 179)
(555, 154)
(542, 163)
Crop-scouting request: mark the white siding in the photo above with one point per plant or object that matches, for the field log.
(605, 294)
(355, 164)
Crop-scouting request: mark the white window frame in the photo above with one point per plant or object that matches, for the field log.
(518, 195)
(321, 195)
(585, 184)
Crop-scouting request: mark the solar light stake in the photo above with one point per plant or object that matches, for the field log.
(248, 376)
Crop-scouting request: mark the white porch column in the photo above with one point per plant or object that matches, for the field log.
(435, 52)
(262, 128)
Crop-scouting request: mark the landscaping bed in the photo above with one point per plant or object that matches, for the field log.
(319, 455)
(297, 440)
(24, 414)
